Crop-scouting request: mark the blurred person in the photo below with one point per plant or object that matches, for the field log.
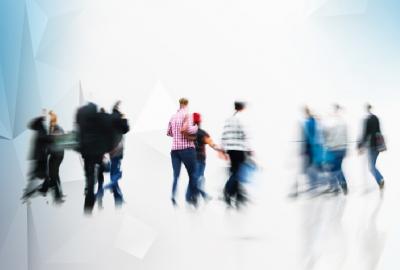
(312, 149)
(202, 139)
(100, 169)
(56, 156)
(39, 154)
(235, 144)
(180, 127)
(98, 134)
(335, 140)
(116, 156)
(373, 141)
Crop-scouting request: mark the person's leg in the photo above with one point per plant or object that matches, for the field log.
(230, 188)
(55, 176)
(201, 167)
(90, 163)
(240, 179)
(373, 156)
(341, 177)
(100, 185)
(176, 166)
(189, 159)
(332, 168)
(116, 174)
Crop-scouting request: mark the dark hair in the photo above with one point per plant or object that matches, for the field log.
(239, 105)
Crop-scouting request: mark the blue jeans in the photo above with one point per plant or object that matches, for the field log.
(372, 157)
(115, 176)
(336, 168)
(201, 167)
(188, 158)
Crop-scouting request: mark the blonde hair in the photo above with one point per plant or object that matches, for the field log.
(53, 118)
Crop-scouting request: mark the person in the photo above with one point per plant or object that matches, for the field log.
(371, 140)
(235, 144)
(116, 156)
(98, 134)
(312, 149)
(183, 151)
(335, 134)
(86, 119)
(56, 156)
(39, 154)
(202, 139)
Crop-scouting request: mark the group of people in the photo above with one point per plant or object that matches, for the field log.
(47, 157)
(189, 143)
(98, 137)
(325, 144)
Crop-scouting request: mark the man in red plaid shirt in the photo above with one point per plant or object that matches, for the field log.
(180, 128)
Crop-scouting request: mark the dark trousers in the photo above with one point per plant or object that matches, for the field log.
(188, 158)
(53, 180)
(39, 169)
(233, 188)
(90, 169)
(54, 174)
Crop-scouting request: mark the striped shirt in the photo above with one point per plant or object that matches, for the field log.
(175, 125)
(234, 136)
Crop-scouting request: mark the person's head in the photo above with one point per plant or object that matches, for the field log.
(183, 103)
(337, 108)
(53, 119)
(102, 110)
(368, 107)
(240, 106)
(307, 111)
(197, 118)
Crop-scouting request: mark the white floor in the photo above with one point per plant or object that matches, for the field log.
(359, 231)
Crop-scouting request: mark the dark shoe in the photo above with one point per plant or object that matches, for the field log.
(345, 190)
(174, 203)
(382, 185)
(59, 200)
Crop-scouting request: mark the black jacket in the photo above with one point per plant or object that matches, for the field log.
(41, 139)
(99, 133)
(370, 130)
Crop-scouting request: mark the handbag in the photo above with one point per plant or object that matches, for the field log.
(380, 143)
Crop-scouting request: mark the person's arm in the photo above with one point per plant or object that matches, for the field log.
(365, 135)
(169, 131)
(188, 126)
(210, 142)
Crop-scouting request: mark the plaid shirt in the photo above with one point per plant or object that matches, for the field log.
(174, 130)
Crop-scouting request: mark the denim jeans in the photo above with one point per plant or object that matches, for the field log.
(201, 167)
(189, 160)
(372, 157)
(115, 176)
(336, 169)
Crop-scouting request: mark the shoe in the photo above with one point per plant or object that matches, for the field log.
(382, 185)
(174, 203)
(345, 190)
(59, 200)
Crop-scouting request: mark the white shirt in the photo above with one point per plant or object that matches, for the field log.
(335, 133)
